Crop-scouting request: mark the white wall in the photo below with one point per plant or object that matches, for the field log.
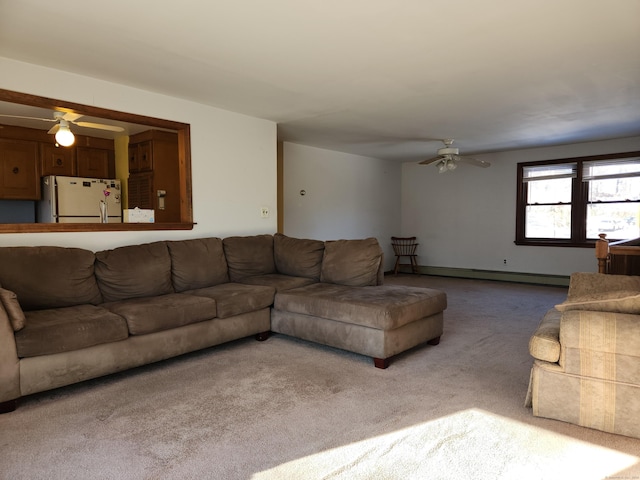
(233, 157)
(466, 218)
(347, 196)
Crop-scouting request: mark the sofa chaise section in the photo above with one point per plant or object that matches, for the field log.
(350, 308)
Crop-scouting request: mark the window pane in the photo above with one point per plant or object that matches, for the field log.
(620, 221)
(548, 221)
(548, 171)
(606, 168)
(549, 191)
(614, 189)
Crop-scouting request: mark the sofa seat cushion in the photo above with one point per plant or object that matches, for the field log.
(278, 281)
(153, 314)
(235, 298)
(66, 329)
(134, 271)
(383, 307)
(197, 263)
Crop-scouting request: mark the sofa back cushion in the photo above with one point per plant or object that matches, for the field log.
(356, 263)
(197, 263)
(297, 256)
(49, 277)
(249, 255)
(134, 271)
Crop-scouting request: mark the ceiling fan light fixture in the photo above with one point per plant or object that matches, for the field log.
(64, 135)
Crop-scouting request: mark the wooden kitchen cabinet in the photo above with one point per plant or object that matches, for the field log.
(57, 160)
(19, 169)
(95, 162)
(154, 174)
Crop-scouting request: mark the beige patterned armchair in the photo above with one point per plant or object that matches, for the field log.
(586, 352)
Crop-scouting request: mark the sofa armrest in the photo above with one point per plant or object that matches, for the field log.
(544, 344)
(9, 362)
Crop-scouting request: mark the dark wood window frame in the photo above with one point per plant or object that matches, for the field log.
(579, 202)
(184, 159)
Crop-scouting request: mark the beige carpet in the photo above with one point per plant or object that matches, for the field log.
(288, 409)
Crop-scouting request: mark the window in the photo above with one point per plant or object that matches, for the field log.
(569, 202)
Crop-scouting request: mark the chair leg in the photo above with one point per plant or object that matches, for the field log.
(414, 265)
(395, 269)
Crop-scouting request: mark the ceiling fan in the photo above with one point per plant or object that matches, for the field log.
(61, 129)
(449, 156)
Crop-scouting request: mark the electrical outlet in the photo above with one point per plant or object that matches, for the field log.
(505, 261)
(264, 212)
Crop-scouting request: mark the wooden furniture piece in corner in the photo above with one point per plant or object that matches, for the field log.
(618, 258)
(154, 174)
(405, 247)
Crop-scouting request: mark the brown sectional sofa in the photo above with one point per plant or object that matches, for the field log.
(68, 314)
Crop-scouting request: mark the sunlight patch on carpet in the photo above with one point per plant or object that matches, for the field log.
(469, 444)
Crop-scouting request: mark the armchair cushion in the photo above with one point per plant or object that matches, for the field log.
(617, 302)
(11, 305)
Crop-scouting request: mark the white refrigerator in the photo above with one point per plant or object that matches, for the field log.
(80, 200)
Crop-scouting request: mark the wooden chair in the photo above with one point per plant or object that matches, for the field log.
(405, 247)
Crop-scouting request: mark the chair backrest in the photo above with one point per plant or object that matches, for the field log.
(404, 245)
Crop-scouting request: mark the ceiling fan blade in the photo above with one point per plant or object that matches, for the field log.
(27, 118)
(72, 117)
(53, 130)
(474, 161)
(430, 160)
(99, 126)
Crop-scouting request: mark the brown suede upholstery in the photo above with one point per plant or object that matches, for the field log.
(381, 307)
(9, 301)
(67, 329)
(351, 262)
(162, 312)
(87, 314)
(49, 277)
(134, 271)
(236, 298)
(298, 257)
(247, 256)
(197, 263)
(278, 281)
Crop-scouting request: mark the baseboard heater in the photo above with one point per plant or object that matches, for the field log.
(516, 277)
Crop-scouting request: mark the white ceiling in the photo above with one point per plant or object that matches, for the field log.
(381, 78)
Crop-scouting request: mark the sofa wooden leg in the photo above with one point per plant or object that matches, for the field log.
(261, 337)
(434, 341)
(8, 406)
(381, 362)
